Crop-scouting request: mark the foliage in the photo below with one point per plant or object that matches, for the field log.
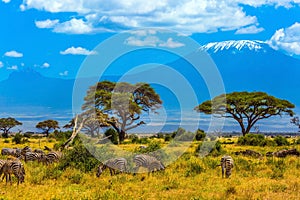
(78, 157)
(255, 140)
(47, 126)
(8, 123)
(113, 134)
(17, 138)
(200, 135)
(122, 103)
(209, 147)
(246, 108)
(153, 146)
(281, 141)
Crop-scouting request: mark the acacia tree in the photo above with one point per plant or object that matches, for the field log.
(8, 123)
(296, 121)
(246, 108)
(47, 126)
(123, 103)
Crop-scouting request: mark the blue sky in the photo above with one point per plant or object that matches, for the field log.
(54, 36)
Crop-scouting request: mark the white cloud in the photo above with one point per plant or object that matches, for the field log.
(249, 30)
(1, 64)
(14, 67)
(77, 51)
(46, 23)
(187, 16)
(147, 41)
(140, 39)
(74, 26)
(287, 39)
(5, 1)
(171, 44)
(13, 54)
(65, 73)
(46, 65)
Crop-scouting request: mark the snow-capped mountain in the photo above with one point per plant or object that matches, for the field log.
(238, 45)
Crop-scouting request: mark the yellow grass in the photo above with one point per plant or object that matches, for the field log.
(252, 178)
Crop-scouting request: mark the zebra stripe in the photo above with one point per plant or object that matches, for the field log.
(51, 157)
(227, 164)
(30, 156)
(113, 164)
(151, 163)
(13, 167)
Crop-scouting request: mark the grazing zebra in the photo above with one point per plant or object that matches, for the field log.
(51, 157)
(31, 156)
(113, 164)
(25, 150)
(149, 162)
(16, 152)
(13, 167)
(227, 165)
(40, 151)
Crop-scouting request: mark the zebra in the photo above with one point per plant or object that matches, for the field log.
(13, 167)
(113, 164)
(31, 156)
(227, 164)
(25, 150)
(149, 162)
(51, 157)
(16, 152)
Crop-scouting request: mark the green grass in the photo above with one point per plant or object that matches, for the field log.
(188, 178)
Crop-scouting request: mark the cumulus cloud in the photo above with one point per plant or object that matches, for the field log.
(74, 26)
(171, 44)
(65, 73)
(13, 54)
(287, 39)
(77, 51)
(1, 64)
(140, 39)
(46, 65)
(14, 67)
(5, 1)
(182, 15)
(249, 30)
(46, 23)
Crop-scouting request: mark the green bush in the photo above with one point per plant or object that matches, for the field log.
(281, 141)
(200, 135)
(298, 141)
(153, 146)
(209, 147)
(253, 140)
(79, 158)
(17, 138)
(168, 137)
(134, 138)
(114, 137)
(6, 141)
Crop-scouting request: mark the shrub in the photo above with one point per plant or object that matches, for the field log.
(168, 137)
(17, 138)
(153, 146)
(281, 141)
(200, 135)
(78, 157)
(134, 138)
(6, 141)
(209, 147)
(253, 140)
(114, 137)
(298, 141)
(194, 167)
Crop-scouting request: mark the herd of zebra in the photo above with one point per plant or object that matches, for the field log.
(15, 166)
(153, 164)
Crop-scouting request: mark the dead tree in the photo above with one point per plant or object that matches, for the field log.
(75, 132)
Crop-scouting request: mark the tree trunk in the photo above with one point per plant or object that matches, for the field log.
(5, 134)
(122, 136)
